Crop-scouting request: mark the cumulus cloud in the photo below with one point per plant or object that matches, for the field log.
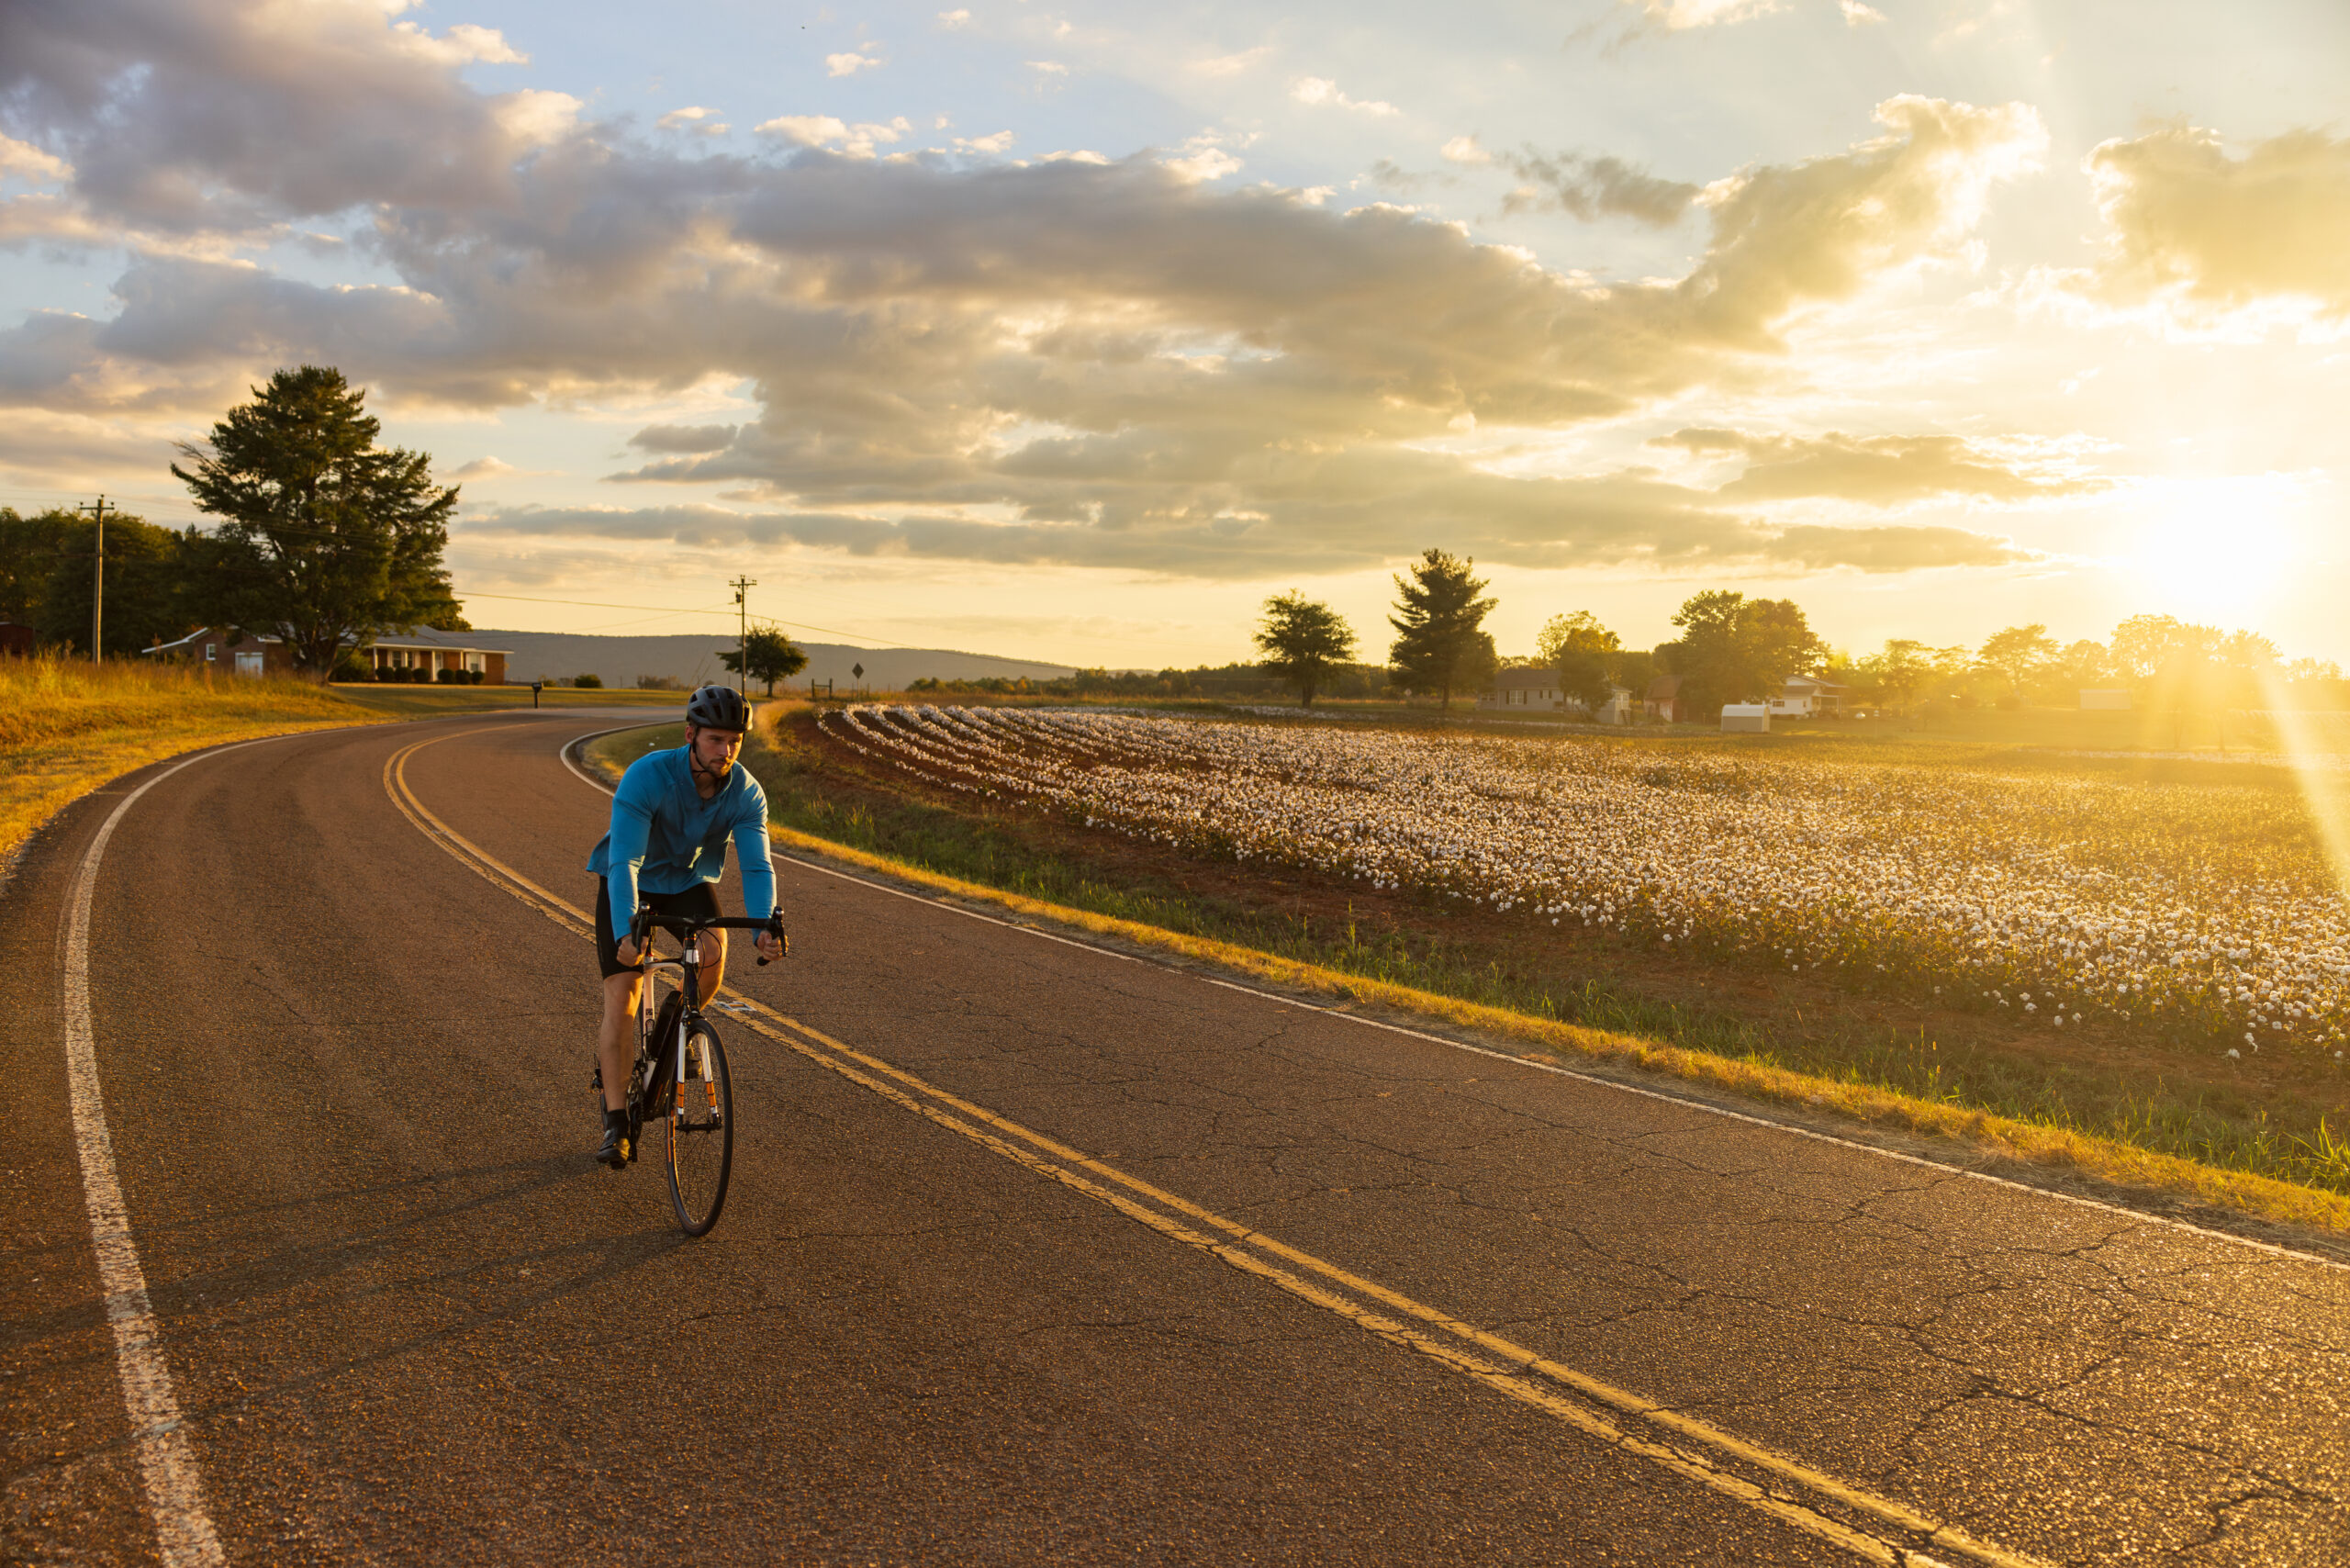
(1858, 14)
(2186, 220)
(1464, 149)
(849, 62)
(1873, 470)
(481, 468)
(1201, 164)
(1592, 187)
(859, 141)
(463, 44)
(1116, 363)
(1320, 91)
(26, 161)
(180, 116)
(960, 17)
(697, 119)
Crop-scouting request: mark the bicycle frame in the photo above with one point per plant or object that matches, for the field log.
(689, 932)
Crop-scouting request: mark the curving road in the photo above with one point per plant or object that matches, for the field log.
(1035, 1253)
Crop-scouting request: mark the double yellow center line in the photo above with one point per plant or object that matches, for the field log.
(1877, 1530)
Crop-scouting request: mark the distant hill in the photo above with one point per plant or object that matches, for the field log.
(693, 661)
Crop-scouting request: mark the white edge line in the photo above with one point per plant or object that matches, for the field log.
(1688, 1101)
(174, 1484)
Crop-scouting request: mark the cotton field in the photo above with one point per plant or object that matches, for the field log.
(2054, 899)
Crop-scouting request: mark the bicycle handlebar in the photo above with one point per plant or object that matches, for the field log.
(684, 926)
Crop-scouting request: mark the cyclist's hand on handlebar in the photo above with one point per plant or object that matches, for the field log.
(629, 953)
(770, 947)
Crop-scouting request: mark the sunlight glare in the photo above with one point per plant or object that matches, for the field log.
(2215, 551)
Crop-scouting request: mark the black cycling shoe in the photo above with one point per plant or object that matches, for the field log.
(615, 1151)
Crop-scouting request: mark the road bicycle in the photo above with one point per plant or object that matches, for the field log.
(679, 1076)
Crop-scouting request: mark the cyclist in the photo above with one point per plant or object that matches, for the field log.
(671, 818)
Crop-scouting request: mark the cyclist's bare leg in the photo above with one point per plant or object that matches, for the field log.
(616, 1040)
(713, 964)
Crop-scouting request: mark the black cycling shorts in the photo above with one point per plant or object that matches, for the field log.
(698, 902)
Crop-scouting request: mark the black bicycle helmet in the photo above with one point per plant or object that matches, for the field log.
(718, 708)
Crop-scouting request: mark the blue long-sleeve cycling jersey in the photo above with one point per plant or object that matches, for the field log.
(665, 838)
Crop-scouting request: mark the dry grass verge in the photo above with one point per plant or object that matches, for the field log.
(68, 727)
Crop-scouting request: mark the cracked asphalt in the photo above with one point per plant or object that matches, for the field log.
(410, 1320)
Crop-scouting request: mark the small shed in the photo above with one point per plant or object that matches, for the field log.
(1746, 718)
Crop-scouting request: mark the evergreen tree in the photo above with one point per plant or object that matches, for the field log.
(1440, 643)
(1305, 643)
(326, 540)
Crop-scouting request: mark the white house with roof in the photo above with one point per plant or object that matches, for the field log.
(1537, 690)
(1810, 697)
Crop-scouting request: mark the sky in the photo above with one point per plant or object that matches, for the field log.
(1073, 331)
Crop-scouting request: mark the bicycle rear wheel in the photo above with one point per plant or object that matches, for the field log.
(700, 1117)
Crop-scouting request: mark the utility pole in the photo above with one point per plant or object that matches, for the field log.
(742, 586)
(98, 574)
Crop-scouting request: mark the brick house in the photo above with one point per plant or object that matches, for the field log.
(226, 649)
(420, 647)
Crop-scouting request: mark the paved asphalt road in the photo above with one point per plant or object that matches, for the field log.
(1048, 1256)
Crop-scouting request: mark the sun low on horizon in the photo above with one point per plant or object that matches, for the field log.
(1074, 332)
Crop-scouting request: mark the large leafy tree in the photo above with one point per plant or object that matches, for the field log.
(1441, 642)
(30, 549)
(325, 539)
(1736, 649)
(2020, 655)
(767, 654)
(147, 600)
(1586, 654)
(1305, 643)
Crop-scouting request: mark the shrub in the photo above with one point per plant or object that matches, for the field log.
(447, 677)
(594, 680)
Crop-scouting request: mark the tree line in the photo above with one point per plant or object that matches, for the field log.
(323, 540)
(1732, 648)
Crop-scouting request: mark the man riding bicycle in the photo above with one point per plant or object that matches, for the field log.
(671, 818)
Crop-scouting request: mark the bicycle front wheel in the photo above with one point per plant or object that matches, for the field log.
(700, 1117)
